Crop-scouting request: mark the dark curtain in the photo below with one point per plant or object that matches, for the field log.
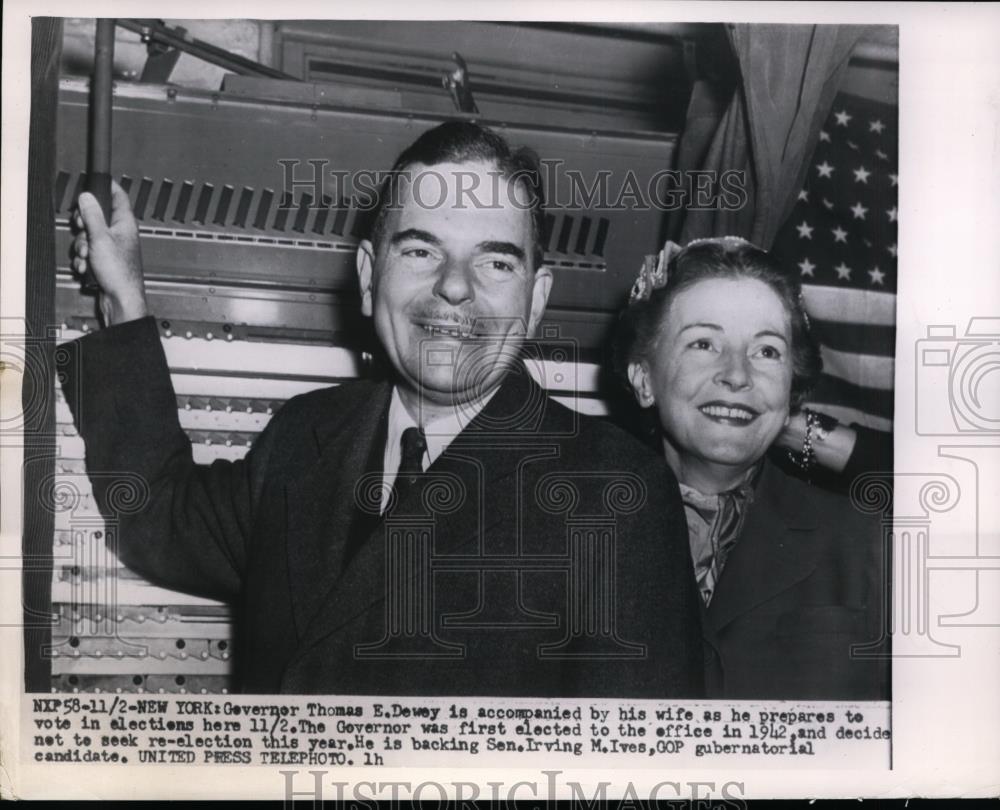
(39, 378)
(768, 128)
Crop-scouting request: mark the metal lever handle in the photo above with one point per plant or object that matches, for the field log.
(99, 158)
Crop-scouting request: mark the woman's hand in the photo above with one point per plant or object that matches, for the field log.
(112, 252)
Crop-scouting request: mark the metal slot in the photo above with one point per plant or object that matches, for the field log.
(162, 200)
(183, 201)
(302, 215)
(225, 198)
(564, 232)
(142, 198)
(340, 219)
(263, 209)
(319, 223)
(281, 215)
(581, 237)
(243, 207)
(204, 200)
(547, 230)
(603, 225)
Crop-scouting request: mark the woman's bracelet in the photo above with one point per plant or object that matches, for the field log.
(818, 427)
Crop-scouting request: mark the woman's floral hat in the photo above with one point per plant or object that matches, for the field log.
(653, 273)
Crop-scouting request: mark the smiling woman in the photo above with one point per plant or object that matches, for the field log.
(716, 344)
(723, 376)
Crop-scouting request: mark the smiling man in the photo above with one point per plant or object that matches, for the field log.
(446, 530)
(466, 267)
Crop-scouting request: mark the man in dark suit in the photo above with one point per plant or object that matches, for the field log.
(450, 530)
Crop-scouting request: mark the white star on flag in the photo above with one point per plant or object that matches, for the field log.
(835, 243)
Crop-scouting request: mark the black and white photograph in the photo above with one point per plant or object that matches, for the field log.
(482, 392)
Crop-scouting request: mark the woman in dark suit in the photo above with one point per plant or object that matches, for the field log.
(716, 344)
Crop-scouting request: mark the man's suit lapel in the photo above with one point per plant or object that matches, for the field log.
(475, 466)
(777, 549)
(321, 502)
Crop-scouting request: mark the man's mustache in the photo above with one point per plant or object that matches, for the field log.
(474, 326)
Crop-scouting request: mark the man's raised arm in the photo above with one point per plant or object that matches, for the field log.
(191, 530)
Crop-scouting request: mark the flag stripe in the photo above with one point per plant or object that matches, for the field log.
(866, 370)
(840, 392)
(850, 305)
(860, 338)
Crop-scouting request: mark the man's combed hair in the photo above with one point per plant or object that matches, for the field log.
(466, 142)
(639, 325)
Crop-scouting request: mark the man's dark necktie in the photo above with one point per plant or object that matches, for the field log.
(411, 462)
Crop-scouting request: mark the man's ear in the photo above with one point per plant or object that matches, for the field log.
(539, 298)
(638, 376)
(365, 263)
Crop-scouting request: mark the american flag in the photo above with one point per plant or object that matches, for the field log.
(841, 240)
